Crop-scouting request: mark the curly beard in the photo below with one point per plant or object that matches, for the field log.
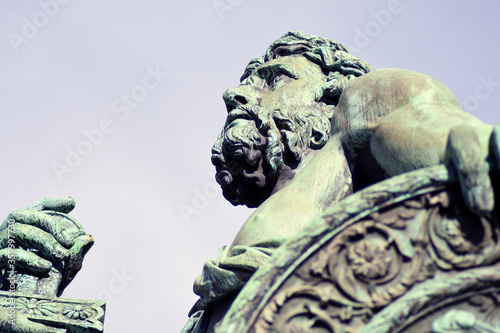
(255, 143)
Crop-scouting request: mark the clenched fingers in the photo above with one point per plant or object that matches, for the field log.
(60, 226)
(30, 237)
(17, 259)
(63, 205)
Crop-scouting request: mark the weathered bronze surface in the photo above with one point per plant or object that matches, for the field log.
(309, 130)
(405, 255)
(42, 249)
(375, 210)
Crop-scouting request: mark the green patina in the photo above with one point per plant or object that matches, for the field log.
(310, 128)
(309, 125)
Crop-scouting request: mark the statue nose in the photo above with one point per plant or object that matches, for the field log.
(237, 96)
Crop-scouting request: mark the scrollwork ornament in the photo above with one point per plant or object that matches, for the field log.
(461, 240)
(373, 263)
(312, 309)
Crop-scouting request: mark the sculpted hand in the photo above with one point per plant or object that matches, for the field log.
(466, 154)
(43, 239)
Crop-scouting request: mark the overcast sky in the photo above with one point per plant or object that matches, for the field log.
(145, 187)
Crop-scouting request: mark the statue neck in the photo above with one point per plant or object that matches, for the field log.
(323, 180)
(286, 173)
(326, 175)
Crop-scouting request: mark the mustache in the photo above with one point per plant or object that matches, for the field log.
(249, 137)
(261, 116)
(245, 127)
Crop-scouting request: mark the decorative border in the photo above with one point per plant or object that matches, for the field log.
(74, 315)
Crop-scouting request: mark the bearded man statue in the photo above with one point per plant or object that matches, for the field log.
(310, 124)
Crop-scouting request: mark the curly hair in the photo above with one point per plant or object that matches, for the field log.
(338, 65)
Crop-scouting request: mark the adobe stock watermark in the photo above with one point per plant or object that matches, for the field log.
(12, 272)
(221, 7)
(122, 108)
(31, 26)
(116, 285)
(381, 19)
(200, 200)
(202, 196)
(484, 89)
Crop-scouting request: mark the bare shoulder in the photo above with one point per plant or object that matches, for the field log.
(367, 99)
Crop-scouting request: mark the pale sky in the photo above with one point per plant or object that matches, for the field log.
(66, 74)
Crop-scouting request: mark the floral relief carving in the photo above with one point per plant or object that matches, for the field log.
(368, 263)
(372, 263)
(76, 311)
(32, 306)
(369, 260)
(72, 315)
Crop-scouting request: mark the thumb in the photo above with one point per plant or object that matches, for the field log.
(75, 254)
(62, 205)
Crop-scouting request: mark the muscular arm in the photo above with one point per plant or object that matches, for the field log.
(402, 118)
(416, 137)
(401, 121)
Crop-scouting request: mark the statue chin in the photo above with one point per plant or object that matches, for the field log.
(250, 187)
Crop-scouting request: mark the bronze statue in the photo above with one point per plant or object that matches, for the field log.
(309, 125)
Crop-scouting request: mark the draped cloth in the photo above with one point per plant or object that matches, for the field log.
(226, 276)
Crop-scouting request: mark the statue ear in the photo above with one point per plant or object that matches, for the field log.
(326, 109)
(330, 91)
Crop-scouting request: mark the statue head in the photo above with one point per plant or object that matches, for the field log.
(280, 112)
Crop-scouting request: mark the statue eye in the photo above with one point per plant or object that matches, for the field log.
(278, 79)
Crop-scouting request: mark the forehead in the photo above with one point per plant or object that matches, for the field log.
(296, 64)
